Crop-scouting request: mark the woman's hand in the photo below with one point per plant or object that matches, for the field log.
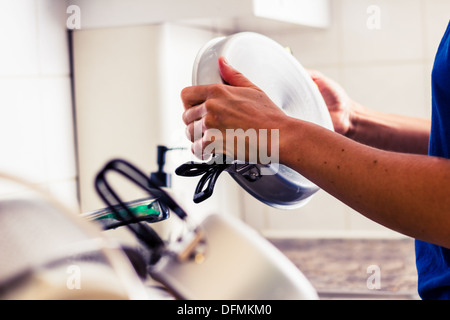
(238, 106)
(339, 104)
(380, 130)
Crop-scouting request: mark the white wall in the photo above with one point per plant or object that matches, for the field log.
(116, 81)
(182, 44)
(128, 82)
(36, 123)
(387, 69)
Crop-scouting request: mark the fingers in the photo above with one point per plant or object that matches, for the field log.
(196, 95)
(203, 148)
(204, 106)
(315, 75)
(193, 96)
(194, 113)
(233, 77)
(322, 81)
(195, 129)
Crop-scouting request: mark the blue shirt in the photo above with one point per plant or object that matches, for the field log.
(433, 262)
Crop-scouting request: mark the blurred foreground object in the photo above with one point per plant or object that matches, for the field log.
(48, 252)
(216, 258)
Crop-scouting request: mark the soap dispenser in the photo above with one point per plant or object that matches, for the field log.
(161, 178)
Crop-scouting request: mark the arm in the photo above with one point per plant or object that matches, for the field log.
(405, 192)
(391, 132)
(379, 130)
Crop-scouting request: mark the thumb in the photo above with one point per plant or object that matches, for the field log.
(316, 76)
(231, 76)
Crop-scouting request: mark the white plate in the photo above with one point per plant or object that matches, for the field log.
(273, 69)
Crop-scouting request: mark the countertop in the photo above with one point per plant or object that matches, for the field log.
(339, 268)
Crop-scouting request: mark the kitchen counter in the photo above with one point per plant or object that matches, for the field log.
(338, 269)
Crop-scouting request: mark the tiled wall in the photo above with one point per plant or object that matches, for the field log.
(132, 114)
(36, 123)
(387, 69)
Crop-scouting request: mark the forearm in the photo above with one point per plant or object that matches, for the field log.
(404, 192)
(390, 132)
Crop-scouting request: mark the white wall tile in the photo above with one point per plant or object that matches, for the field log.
(53, 42)
(399, 38)
(323, 213)
(58, 127)
(36, 123)
(358, 225)
(65, 191)
(428, 69)
(181, 45)
(117, 101)
(21, 129)
(18, 38)
(436, 17)
(389, 88)
(315, 47)
(254, 212)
